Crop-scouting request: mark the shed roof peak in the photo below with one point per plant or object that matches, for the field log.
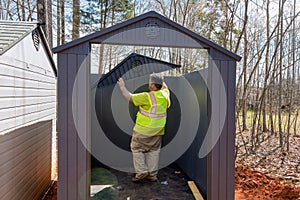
(136, 20)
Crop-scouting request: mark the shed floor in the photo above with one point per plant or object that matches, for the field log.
(172, 185)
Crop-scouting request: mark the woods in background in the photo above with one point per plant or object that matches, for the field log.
(265, 33)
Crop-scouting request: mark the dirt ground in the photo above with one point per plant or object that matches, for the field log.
(254, 185)
(175, 187)
(250, 184)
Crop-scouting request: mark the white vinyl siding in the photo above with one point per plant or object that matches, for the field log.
(27, 94)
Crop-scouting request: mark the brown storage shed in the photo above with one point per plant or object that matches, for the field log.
(74, 104)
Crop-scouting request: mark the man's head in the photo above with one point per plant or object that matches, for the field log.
(155, 82)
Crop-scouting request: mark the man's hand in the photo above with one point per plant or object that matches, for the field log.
(121, 82)
(124, 90)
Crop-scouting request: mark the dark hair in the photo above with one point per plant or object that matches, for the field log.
(157, 80)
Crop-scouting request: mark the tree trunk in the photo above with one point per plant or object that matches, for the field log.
(264, 101)
(23, 10)
(245, 55)
(76, 19)
(63, 32)
(280, 35)
(292, 84)
(44, 8)
(58, 22)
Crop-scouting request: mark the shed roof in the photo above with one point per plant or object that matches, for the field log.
(12, 32)
(144, 65)
(151, 14)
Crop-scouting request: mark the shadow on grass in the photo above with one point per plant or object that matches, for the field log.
(101, 176)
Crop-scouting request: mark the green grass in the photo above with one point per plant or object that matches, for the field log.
(107, 193)
(101, 176)
(284, 121)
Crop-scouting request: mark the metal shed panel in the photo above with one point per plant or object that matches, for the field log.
(83, 126)
(114, 29)
(150, 32)
(134, 66)
(213, 158)
(191, 164)
(223, 155)
(72, 133)
(231, 129)
(62, 126)
(74, 121)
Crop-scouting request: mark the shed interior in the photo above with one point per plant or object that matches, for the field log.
(113, 117)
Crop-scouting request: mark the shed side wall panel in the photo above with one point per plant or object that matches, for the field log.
(73, 109)
(231, 129)
(84, 126)
(72, 133)
(221, 158)
(214, 84)
(223, 150)
(26, 166)
(62, 126)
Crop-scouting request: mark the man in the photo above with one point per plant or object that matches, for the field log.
(149, 127)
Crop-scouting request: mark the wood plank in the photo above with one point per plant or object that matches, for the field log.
(17, 185)
(17, 147)
(25, 129)
(195, 190)
(30, 185)
(41, 188)
(15, 165)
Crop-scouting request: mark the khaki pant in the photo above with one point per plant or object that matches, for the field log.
(145, 152)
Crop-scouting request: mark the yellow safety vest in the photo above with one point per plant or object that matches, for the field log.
(156, 115)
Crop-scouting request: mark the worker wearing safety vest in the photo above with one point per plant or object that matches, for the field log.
(149, 127)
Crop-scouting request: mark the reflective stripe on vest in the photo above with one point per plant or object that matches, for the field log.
(153, 101)
(152, 115)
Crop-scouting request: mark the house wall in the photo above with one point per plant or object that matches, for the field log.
(27, 97)
(28, 94)
(25, 51)
(25, 161)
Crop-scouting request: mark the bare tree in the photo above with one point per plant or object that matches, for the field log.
(76, 19)
(44, 15)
